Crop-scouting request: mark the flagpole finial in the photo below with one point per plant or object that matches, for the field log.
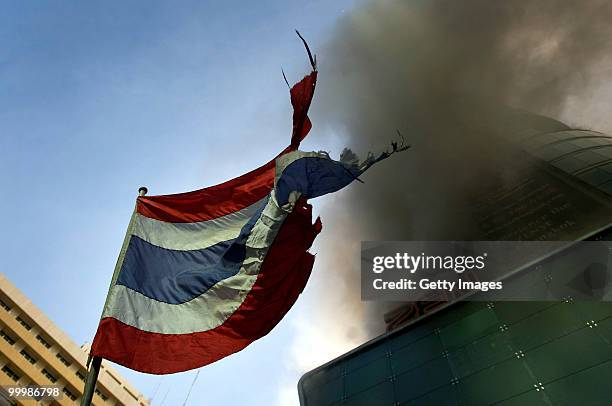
(142, 191)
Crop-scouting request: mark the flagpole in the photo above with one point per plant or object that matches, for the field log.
(96, 362)
(90, 383)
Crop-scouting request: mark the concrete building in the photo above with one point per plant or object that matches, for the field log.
(34, 351)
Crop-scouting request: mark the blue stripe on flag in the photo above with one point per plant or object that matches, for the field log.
(174, 276)
(313, 177)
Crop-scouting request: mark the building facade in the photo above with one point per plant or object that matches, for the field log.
(34, 351)
(502, 353)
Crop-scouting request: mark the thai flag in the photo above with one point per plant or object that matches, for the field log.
(205, 273)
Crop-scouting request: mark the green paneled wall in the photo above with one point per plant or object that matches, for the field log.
(475, 353)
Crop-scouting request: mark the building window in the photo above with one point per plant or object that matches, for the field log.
(114, 378)
(131, 394)
(102, 395)
(43, 341)
(5, 306)
(7, 337)
(69, 394)
(10, 373)
(27, 356)
(62, 359)
(49, 376)
(24, 324)
(81, 376)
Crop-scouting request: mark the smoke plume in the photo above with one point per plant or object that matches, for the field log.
(450, 75)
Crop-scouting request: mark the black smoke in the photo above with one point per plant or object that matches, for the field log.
(449, 75)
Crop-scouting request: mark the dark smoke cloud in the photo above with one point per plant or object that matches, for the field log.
(445, 73)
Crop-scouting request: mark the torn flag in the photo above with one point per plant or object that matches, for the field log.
(203, 274)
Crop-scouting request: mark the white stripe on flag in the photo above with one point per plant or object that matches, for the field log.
(194, 236)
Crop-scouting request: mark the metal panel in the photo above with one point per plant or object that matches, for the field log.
(505, 353)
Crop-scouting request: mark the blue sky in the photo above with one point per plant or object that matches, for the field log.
(99, 98)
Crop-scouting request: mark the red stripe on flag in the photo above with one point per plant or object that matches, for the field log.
(211, 202)
(284, 274)
(301, 97)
